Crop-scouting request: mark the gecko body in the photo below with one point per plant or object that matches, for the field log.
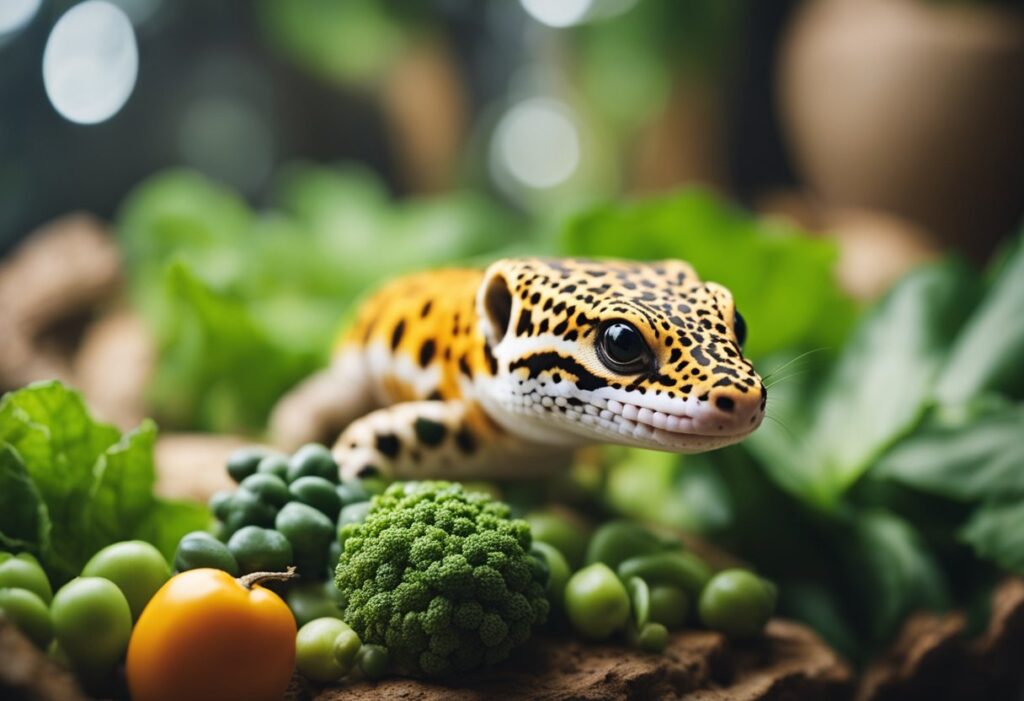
(501, 372)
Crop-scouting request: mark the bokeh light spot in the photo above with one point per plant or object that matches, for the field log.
(557, 13)
(90, 62)
(537, 143)
(15, 14)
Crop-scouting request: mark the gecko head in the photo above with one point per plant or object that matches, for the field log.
(642, 354)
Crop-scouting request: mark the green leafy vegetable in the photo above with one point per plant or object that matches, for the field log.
(24, 522)
(71, 485)
(996, 532)
(894, 571)
(881, 385)
(979, 459)
(987, 354)
(246, 304)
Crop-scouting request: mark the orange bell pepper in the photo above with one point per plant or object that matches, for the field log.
(206, 636)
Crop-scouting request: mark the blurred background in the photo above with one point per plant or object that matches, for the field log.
(192, 195)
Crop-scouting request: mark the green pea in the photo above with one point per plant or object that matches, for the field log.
(737, 603)
(274, 464)
(352, 491)
(353, 513)
(558, 570)
(333, 555)
(260, 550)
(653, 637)
(135, 566)
(313, 460)
(678, 568)
(346, 650)
(640, 601)
(270, 488)
(619, 540)
(28, 612)
(311, 600)
(243, 462)
(24, 572)
(318, 493)
(310, 533)
(200, 549)
(373, 661)
(561, 530)
(92, 621)
(315, 650)
(670, 606)
(247, 509)
(596, 602)
(219, 503)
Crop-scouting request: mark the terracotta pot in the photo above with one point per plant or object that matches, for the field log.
(913, 107)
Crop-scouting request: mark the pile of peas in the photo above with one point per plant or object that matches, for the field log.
(285, 511)
(625, 579)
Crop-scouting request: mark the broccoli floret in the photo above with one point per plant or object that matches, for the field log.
(442, 577)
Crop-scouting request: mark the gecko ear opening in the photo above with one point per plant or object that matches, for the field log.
(497, 308)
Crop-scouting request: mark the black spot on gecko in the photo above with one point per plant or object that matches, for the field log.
(465, 440)
(396, 335)
(699, 356)
(429, 432)
(525, 325)
(427, 351)
(388, 445)
(426, 309)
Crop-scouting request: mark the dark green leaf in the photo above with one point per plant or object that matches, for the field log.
(122, 493)
(981, 459)
(882, 383)
(24, 522)
(996, 532)
(892, 570)
(167, 521)
(988, 352)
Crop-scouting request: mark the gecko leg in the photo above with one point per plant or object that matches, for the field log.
(438, 440)
(322, 405)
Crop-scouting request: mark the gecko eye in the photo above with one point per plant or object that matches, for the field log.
(622, 349)
(739, 325)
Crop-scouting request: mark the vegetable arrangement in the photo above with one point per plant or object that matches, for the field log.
(70, 485)
(426, 579)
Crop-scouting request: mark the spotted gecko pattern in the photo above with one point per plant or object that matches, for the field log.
(500, 372)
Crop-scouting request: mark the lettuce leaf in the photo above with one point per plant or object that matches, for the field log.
(244, 304)
(70, 485)
(24, 521)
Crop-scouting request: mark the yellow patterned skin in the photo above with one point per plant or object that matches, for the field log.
(498, 372)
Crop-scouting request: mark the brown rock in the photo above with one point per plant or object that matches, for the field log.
(790, 662)
(52, 282)
(27, 674)
(932, 658)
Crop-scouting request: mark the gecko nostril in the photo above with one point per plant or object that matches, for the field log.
(725, 403)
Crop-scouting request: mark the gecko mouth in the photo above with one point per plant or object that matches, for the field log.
(678, 424)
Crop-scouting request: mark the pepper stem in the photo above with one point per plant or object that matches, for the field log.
(253, 578)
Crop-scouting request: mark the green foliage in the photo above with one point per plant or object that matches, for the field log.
(347, 42)
(246, 304)
(882, 483)
(70, 485)
(782, 281)
(442, 577)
